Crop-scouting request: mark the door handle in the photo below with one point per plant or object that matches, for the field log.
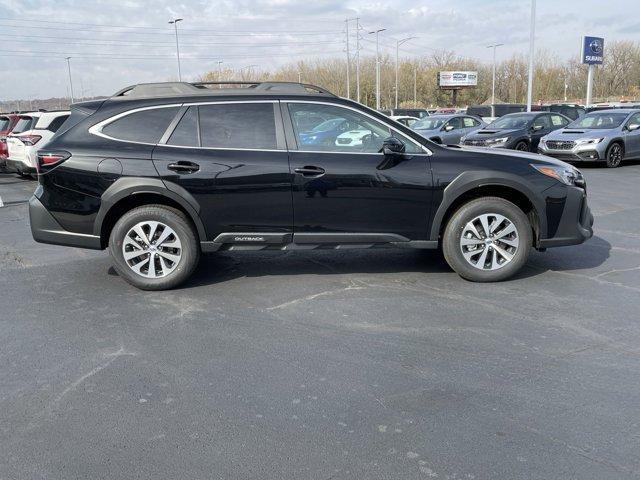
(184, 167)
(310, 171)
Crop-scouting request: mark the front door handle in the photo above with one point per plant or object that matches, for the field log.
(184, 167)
(310, 171)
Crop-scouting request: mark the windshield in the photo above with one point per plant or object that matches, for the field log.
(328, 125)
(23, 125)
(602, 120)
(429, 123)
(511, 122)
(4, 123)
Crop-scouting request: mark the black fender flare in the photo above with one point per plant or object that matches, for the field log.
(470, 180)
(127, 186)
(618, 140)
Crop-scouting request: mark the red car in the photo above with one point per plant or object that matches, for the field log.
(7, 122)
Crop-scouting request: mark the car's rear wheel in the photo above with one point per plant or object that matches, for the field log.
(614, 155)
(487, 240)
(522, 146)
(154, 247)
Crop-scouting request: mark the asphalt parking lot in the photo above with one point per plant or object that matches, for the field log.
(376, 364)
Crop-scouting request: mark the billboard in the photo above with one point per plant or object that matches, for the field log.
(457, 79)
(592, 50)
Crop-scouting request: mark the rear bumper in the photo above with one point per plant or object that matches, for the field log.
(576, 223)
(45, 229)
(18, 167)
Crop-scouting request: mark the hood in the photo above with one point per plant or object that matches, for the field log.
(489, 133)
(577, 133)
(512, 155)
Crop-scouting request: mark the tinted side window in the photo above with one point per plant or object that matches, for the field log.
(57, 122)
(542, 120)
(241, 125)
(23, 125)
(635, 119)
(146, 126)
(558, 121)
(469, 122)
(186, 132)
(455, 122)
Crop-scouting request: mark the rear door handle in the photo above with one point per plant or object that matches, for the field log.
(310, 171)
(184, 167)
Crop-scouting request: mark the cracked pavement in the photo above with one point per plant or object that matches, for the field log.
(378, 364)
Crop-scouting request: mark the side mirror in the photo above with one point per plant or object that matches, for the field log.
(537, 128)
(633, 126)
(448, 128)
(392, 146)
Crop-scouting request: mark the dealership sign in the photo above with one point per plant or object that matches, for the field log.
(592, 50)
(457, 79)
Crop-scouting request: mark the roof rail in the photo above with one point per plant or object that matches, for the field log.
(164, 89)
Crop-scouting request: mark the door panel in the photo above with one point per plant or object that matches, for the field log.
(238, 189)
(352, 188)
(632, 139)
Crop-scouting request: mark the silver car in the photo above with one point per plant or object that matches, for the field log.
(604, 135)
(447, 129)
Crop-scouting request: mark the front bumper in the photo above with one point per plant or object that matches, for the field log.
(577, 153)
(45, 229)
(575, 226)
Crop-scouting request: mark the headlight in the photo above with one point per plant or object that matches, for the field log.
(588, 141)
(566, 175)
(496, 141)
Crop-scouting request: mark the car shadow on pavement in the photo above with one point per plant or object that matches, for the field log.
(226, 266)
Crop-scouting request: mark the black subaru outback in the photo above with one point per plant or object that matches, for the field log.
(160, 173)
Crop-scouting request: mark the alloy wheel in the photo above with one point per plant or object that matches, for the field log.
(489, 241)
(615, 155)
(152, 249)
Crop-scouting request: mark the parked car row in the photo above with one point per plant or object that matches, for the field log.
(22, 135)
(609, 136)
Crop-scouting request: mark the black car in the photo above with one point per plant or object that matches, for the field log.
(517, 131)
(570, 110)
(159, 173)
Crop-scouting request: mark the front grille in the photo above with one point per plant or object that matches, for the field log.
(560, 144)
(475, 143)
(566, 157)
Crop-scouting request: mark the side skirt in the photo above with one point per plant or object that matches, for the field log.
(248, 241)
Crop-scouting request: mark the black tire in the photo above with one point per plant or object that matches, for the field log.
(522, 146)
(451, 241)
(184, 230)
(614, 155)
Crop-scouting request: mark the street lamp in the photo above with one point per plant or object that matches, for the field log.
(70, 79)
(220, 62)
(398, 43)
(493, 80)
(532, 36)
(377, 32)
(174, 22)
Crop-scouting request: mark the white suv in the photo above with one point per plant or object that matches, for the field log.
(32, 132)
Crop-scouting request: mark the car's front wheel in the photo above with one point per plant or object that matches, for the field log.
(614, 155)
(487, 240)
(154, 247)
(522, 146)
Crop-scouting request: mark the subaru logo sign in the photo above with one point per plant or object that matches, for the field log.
(596, 47)
(593, 50)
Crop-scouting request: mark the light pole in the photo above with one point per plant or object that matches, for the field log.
(398, 43)
(415, 87)
(299, 76)
(532, 36)
(358, 58)
(220, 62)
(70, 79)
(377, 33)
(174, 22)
(346, 23)
(493, 79)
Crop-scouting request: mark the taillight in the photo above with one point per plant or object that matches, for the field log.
(30, 139)
(47, 160)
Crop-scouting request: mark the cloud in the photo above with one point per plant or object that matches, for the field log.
(39, 34)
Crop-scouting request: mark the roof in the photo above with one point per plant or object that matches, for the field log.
(182, 89)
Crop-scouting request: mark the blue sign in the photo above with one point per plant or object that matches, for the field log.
(592, 50)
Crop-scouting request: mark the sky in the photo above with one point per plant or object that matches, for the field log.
(115, 43)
